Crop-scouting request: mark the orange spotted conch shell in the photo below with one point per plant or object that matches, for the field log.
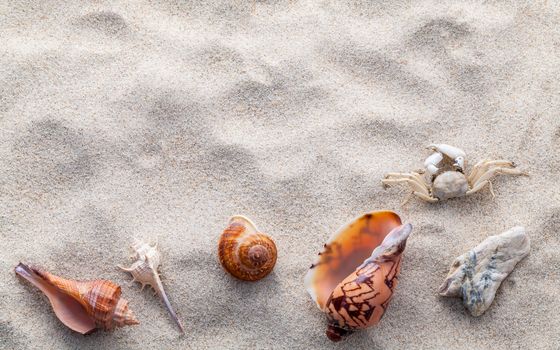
(357, 273)
(245, 252)
(81, 306)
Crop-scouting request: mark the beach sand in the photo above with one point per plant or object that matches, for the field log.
(160, 119)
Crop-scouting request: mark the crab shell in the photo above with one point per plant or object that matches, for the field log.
(450, 184)
(357, 272)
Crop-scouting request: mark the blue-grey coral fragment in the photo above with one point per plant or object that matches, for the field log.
(476, 275)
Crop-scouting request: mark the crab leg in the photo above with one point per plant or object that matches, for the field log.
(419, 190)
(480, 185)
(476, 170)
(482, 167)
(412, 181)
(485, 178)
(407, 198)
(419, 186)
(413, 176)
(425, 197)
(415, 185)
(495, 171)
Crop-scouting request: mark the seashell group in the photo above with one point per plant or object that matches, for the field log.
(357, 272)
(245, 252)
(355, 275)
(82, 306)
(476, 275)
(145, 271)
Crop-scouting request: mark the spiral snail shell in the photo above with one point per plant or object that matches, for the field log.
(245, 252)
(357, 272)
(82, 306)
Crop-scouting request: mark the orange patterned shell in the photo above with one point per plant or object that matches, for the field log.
(356, 274)
(245, 252)
(82, 306)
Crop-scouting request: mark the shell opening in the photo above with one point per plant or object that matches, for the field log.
(356, 274)
(346, 250)
(65, 306)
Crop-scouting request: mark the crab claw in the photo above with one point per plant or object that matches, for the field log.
(432, 161)
(457, 154)
(450, 151)
(459, 163)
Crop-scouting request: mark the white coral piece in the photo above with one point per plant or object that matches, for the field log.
(476, 275)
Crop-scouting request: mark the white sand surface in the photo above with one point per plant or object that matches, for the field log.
(160, 119)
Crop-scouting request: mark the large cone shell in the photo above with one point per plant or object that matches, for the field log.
(345, 251)
(361, 299)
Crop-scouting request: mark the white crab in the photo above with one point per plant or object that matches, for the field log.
(447, 179)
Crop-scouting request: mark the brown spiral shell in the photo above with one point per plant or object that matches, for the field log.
(245, 252)
(83, 306)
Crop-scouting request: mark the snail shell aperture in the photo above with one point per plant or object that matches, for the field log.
(245, 252)
(82, 306)
(355, 276)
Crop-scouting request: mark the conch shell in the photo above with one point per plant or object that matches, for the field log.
(356, 274)
(145, 271)
(81, 306)
(245, 252)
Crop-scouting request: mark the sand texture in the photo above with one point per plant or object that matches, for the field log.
(160, 119)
